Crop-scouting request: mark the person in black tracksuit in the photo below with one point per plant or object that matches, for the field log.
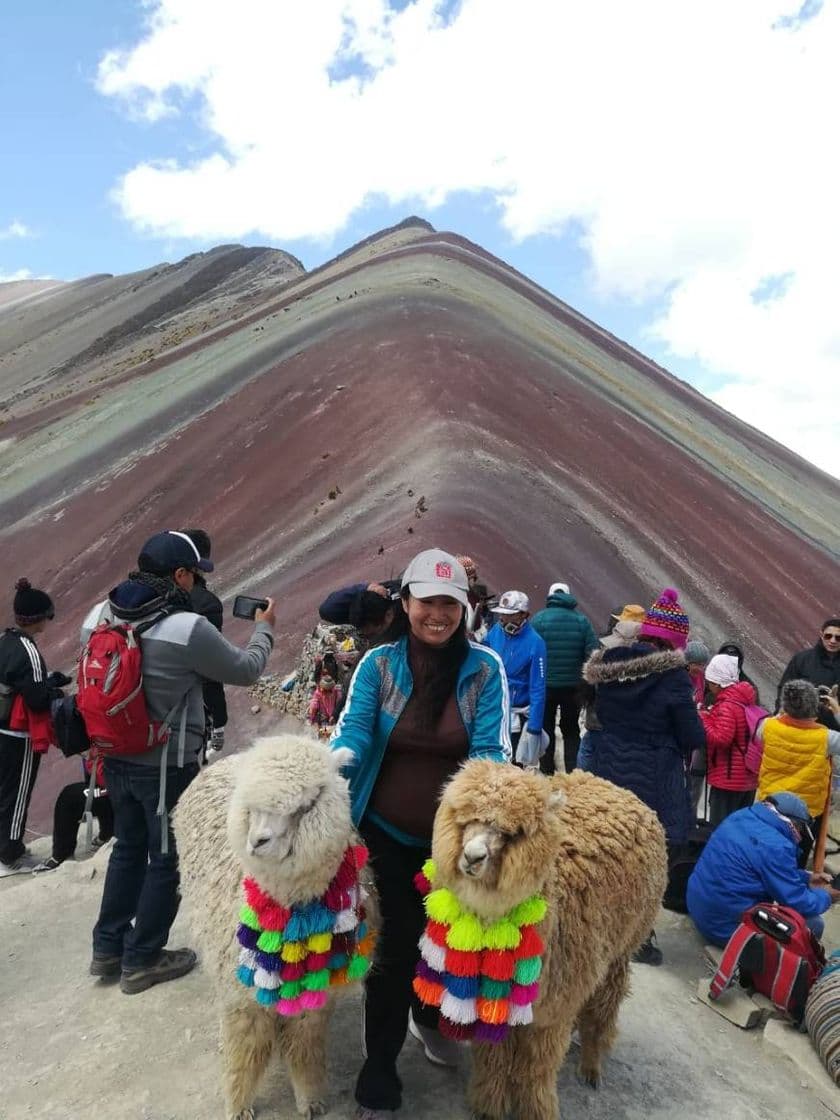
(204, 602)
(23, 672)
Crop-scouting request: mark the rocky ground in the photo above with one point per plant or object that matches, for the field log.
(76, 1047)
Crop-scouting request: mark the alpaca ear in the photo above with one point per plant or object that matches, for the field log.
(341, 757)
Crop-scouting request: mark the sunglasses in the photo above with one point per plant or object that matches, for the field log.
(829, 637)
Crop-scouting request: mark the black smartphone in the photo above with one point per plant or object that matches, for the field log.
(246, 607)
(835, 882)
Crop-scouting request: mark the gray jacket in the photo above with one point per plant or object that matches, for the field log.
(179, 653)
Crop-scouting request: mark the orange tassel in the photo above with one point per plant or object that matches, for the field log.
(338, 976)
(427, 992)
(493, 1011)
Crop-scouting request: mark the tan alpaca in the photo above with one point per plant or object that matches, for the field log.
(279, 813)
(597, 855)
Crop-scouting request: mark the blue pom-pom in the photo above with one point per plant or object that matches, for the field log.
(267, 996)
(245, 976)
(461, 987)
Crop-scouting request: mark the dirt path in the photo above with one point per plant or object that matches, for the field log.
(75, 1047)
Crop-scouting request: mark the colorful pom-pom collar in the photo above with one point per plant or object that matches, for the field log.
(292, 956)
(484, 977)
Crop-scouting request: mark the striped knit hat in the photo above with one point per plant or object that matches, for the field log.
(666, 619)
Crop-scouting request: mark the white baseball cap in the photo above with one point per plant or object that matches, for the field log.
(564, 587)
(435, 572)
(512, 602)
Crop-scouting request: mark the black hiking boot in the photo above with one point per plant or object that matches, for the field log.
(105, 964)
(171, 964)
(649, 953)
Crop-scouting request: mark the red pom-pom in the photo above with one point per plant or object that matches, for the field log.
(422, 884)
(530, 944)
(460, 963)
(316, 961)
(459, 1032)
(437, 932)
(360, 856)
(498, 964)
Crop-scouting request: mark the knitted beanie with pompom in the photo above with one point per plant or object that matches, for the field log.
(667, 620)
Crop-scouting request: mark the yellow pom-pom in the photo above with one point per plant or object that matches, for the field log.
(319, 942)
(528, 913)
(466, 934)
(501, 935)
(293, 951)
(442, 906)
(429, 869)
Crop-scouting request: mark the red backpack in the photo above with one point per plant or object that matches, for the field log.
(774, 952)
(110, 697)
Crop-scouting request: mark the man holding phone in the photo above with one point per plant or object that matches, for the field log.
(819, 664)
(180, 650)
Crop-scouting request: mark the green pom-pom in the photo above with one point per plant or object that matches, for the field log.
(357, 967)
(527, 971)
(494, 989)
(429, 869)
(291, 989)
(317, 981)
(528, 913)
(269, 941)
(466, 934)
(442, 906)
(501, 935)
(248, 916)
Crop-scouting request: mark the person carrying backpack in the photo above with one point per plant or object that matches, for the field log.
(180, 650)
(206, 602)
(732, 785)
(23, 676)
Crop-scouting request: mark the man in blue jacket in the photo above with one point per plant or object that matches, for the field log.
(751, 858)
(523, 655)
(569, 639)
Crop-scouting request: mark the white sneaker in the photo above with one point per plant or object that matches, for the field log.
(22, 865)
(440, 1051)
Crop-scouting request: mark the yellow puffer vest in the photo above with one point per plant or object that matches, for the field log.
(795, 760)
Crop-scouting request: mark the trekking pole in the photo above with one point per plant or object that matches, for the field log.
(819, 853)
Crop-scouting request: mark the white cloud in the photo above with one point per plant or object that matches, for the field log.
(14, 229)
(21, 274)
(693, 146)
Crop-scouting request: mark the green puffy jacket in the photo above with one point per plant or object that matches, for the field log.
(568, 636)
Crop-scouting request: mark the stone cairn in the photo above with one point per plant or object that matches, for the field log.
(343, 641)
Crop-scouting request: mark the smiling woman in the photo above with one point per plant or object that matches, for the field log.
(416, 710)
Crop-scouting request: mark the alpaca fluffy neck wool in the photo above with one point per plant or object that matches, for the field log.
(293, 955)
(483, 976)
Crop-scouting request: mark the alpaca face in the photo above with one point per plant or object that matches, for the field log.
(482, 851)
(289, 816)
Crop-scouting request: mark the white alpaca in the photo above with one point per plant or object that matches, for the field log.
(279, 813)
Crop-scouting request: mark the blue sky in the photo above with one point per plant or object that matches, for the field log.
(618, 182)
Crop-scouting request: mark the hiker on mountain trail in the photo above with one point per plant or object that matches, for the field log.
(24, 681)
(649, 723)
(820, 664)
(69, 811)
(205, 602)
(523, 655)
(374, 609)
(734, 650)
(180, 650)
(569, 639)
(798, 751)
(732, 786)
(751, 858)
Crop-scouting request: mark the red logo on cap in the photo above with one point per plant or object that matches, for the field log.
(443, 570)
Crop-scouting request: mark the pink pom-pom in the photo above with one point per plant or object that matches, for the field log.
(669, 595)
(312, 1001)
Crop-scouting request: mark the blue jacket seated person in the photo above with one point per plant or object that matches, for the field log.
(751, 858)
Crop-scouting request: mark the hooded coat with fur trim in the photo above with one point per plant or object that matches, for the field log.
(650, 726)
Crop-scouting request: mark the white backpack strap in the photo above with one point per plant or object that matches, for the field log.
(88, 817)
(161, 809)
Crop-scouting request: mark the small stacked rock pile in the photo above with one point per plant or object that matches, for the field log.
(343, 641)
